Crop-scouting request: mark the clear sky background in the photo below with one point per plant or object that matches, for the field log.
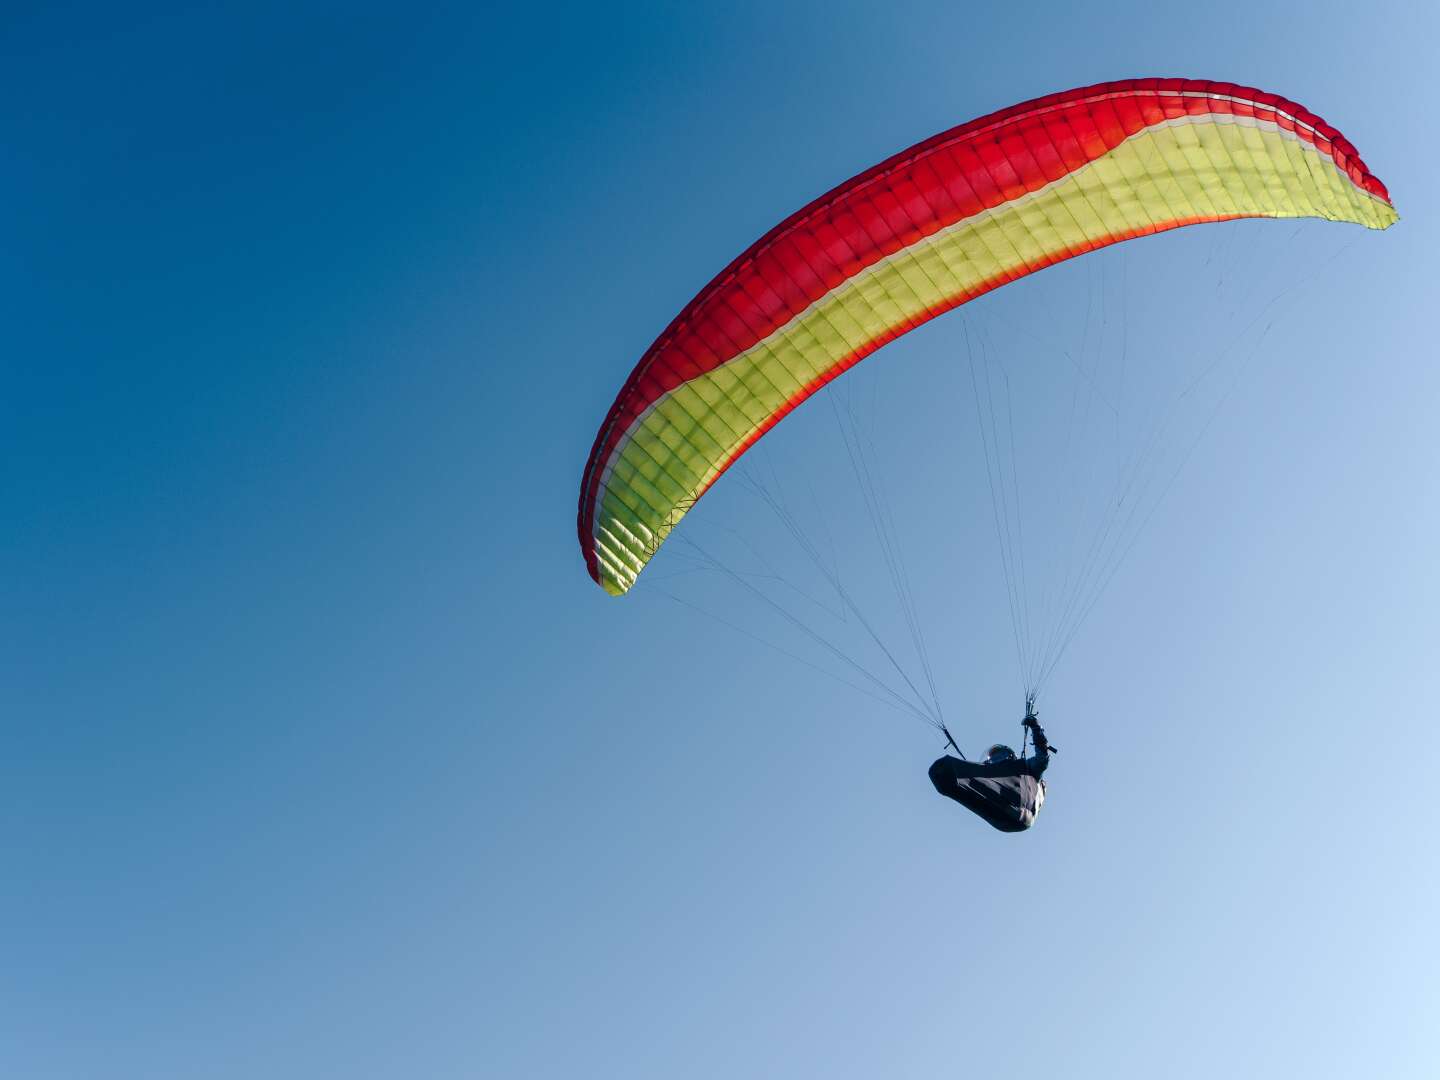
(321, 754)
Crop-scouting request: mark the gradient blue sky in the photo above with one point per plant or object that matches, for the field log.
(323, 757)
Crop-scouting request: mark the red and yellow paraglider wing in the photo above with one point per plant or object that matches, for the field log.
(921, 233)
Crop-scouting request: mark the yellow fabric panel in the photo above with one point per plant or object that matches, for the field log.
(1177, 172)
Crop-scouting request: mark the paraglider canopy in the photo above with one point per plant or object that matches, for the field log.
(926, 231)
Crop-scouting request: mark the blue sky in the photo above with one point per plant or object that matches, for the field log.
(322, 755)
